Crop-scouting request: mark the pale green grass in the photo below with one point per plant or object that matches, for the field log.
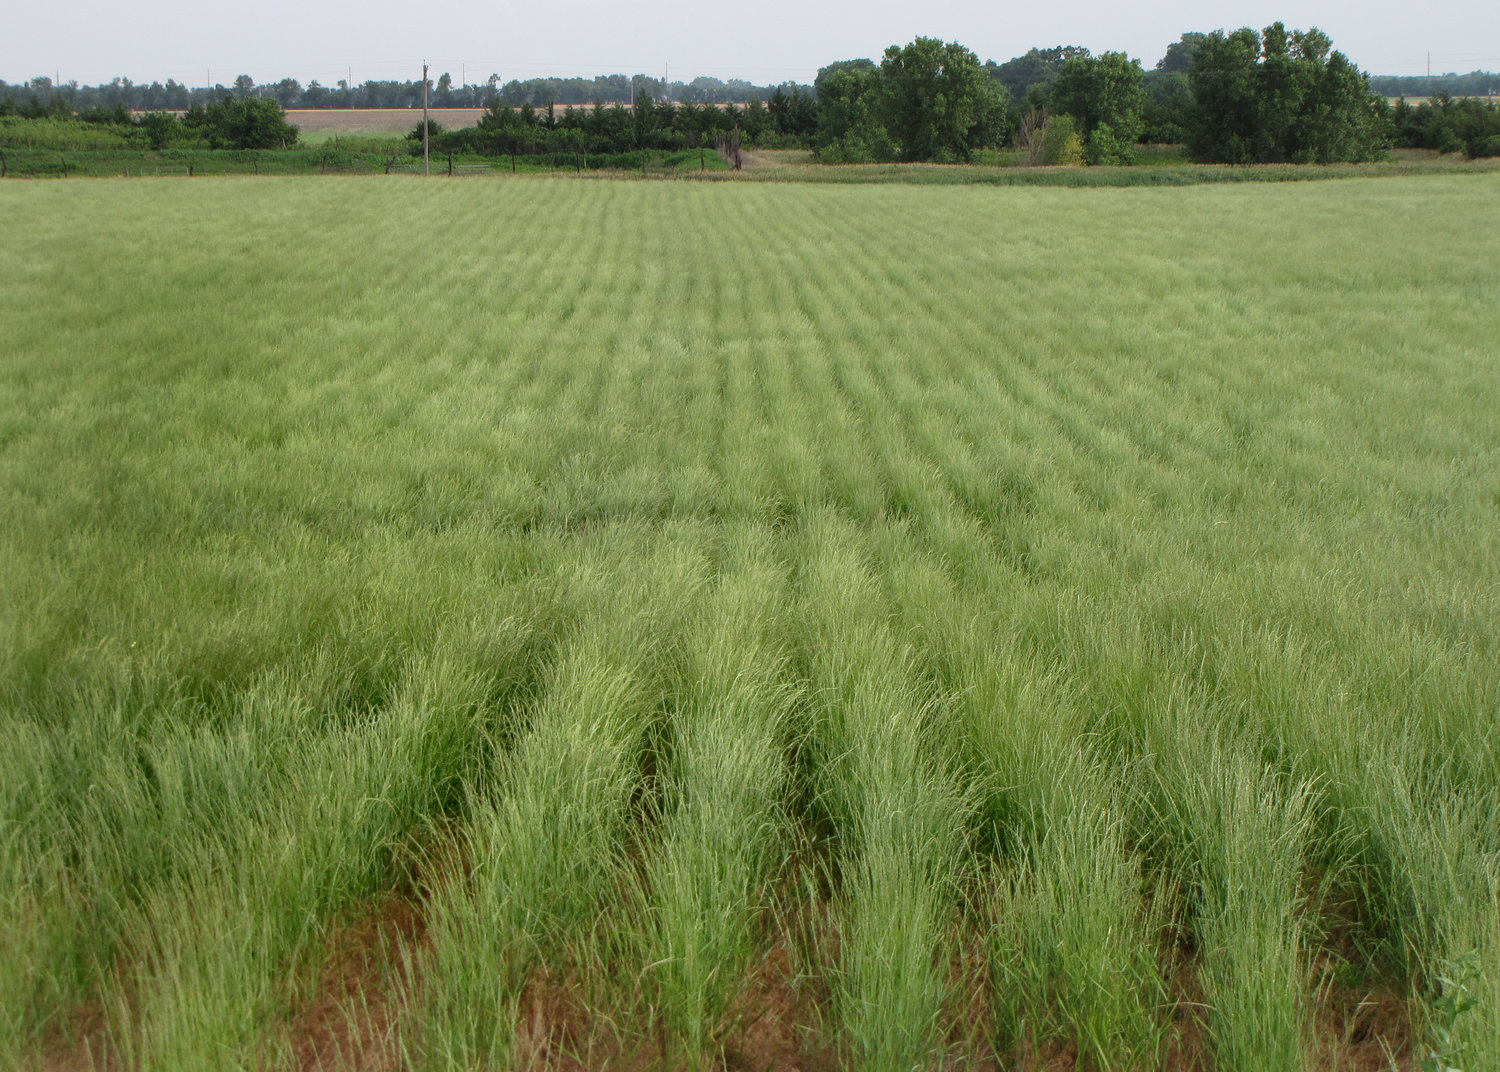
(1097, 583)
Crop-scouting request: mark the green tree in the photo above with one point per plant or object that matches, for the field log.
(849, 129)
(1281, 96)
(1060, 143)
(937, 102)
(242, 123)
(1168, 98)
(1103, 92)
(1180, 53)
(160, 127)
(1038, 67)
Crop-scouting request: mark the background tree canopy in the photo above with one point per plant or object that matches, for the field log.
(937, 101)
(1105, 95)
(1280, 96)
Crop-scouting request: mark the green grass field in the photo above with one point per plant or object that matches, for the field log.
(678, 625)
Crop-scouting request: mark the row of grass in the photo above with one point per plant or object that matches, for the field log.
(957, 622)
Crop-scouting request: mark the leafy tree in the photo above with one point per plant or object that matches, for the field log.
(1060, 142)
(1449, 125)
(160, 127)
(849, 129)
(1223, 123)
(242, 123)
(755, 119)
(1180, 53)
(1280, 96)
(1168, 98)
(1103, 91)
(937, 102)
(434, 128)
(1038, 67)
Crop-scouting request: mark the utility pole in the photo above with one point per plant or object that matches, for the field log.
(426, 131)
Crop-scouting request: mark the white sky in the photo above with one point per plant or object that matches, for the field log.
(765, 41)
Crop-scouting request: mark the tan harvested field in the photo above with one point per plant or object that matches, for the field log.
(367, 121)
(375, 120)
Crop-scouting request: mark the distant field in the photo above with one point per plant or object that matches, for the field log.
(558, 624)
(317, 123)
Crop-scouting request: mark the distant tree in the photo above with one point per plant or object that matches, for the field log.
(849, 127)
(1449, 125)
(1103, 92)
(244, 85)
(242, 123)
(288, 92)
(1038, 67)
(1180, 53)
(434, 128)
(316, 95)
(1168, 102)
(937, 102)
(754, 120)
(160, 127)
(444, 91)
(1061, 144)
(1280, 96)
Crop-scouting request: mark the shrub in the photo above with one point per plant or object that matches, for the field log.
(1061, 144)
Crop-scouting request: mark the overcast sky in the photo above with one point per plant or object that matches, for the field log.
(766, 41)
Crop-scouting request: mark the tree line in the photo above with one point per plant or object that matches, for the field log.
(41, 96)
(1236, 97)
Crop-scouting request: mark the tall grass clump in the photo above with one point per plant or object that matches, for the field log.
(1076, 936)
(705, 880)
(897, 810)
(1441, 844)
(245, 905)
(1239, 831)
(542, 853)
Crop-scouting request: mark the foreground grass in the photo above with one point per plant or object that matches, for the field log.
(880, 624)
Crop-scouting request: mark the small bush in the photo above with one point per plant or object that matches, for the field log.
(1107, 147)
(1061, 145)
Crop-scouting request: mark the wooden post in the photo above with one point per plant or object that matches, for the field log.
(426, 139)
(450, 165)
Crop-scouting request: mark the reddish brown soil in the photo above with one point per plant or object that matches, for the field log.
(352, 1020)
(82, 1044)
